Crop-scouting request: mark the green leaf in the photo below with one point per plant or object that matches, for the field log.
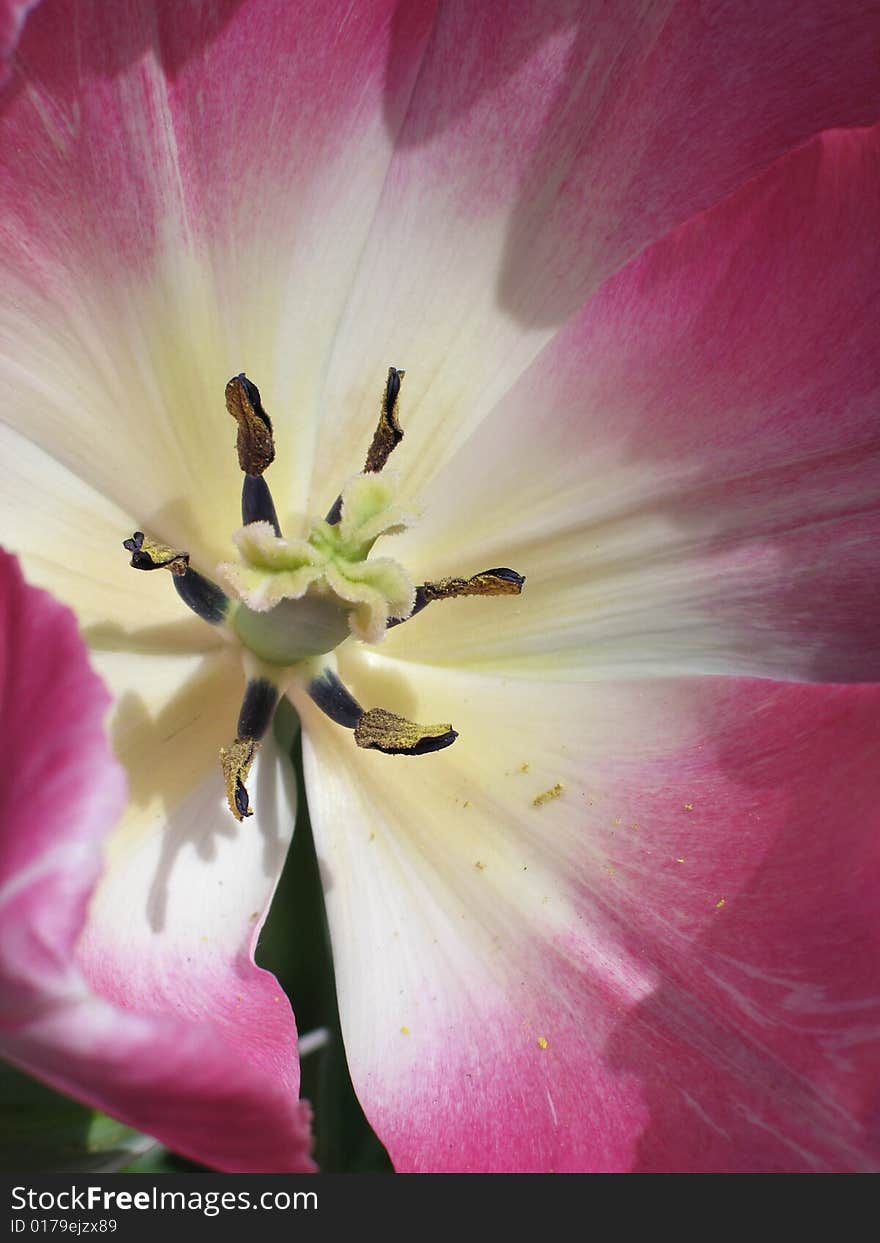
(41, 1130)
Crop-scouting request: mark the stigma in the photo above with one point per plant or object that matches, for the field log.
(290, 603)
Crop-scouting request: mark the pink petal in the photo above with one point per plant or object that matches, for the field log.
(689, 476)
(12, 18)
(208, 1084)
(544, 147)
(186, 189)
(668, 963)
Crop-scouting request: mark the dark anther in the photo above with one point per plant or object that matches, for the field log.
(148, 554)
(242, 802)
(377, 729)
(388, 434)
(507, 576)
(257, 504)
(426, 745)
(386, 437)
(139, 559)
(380, 730)
(256, 448)
(253, 394)
(496, 582)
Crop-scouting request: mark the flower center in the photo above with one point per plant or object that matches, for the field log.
(294, 602)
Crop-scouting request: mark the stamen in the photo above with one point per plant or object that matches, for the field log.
(255, 717)
(149, 554)
(236, 763)
(497, 582)
(386, 438)
(388, 433)
(206, 599)
(377, 729)
(256, 447)
(298, 599)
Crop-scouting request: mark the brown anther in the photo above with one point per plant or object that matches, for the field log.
(388, 433)
(256, 446)
(499, 582)
(380, 730)
(149, 554)
(236, 763)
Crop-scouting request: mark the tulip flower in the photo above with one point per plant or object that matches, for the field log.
(616, 909)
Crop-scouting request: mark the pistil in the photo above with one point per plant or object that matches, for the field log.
(295, 601)
(376, 729)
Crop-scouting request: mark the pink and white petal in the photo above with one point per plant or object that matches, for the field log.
(157, 1038)
(186, 190)
(625, 929)
(185, 888)
(63, 789)
(689, 476)
(544, 147)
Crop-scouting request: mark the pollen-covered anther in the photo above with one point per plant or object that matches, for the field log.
(497, 582)
(380, 730)
(236, 763)
(256, 444)
(149, 554)
(388, 433)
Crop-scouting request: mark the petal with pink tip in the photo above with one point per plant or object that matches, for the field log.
(186, 190)
(545, 145)
(689, 476)
(623, 927)
(184, 1039)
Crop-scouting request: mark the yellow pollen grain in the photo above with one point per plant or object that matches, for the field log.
(480, 866)
(524, 767)
(688, 807)
(542, 1042)
(404, 1031)
(718, 905)
(372, 837)
(679, 860)
(617, 820)
(554, 792)
(466, 803)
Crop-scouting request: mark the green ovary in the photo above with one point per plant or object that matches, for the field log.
(301, 598)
